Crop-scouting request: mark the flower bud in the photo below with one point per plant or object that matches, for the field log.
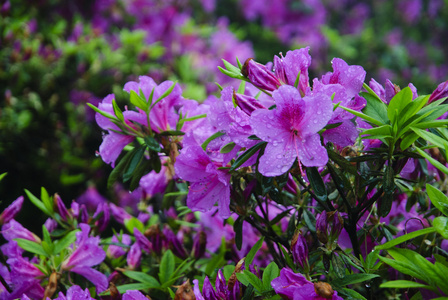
(102, 215)
(11, 211)
(142, 241)
(155, 236)
(440, 92)
(134, 256)
(247, 103)
(323, 290)
(299, 251)
(207, 289)
(328, 227)
(60, 206)
(174, 244)
(260, 76)
(199, 243)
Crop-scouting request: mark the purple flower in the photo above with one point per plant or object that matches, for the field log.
(62, 210)
(14, 230)
(291, 130)
(116, 251)
(329, 225)
(289, 67)
(133, 295)
(295, 286)
(75, 292)
(87, 253)
(142, 241)
(208, 185)
(11, 211)
(24, 277)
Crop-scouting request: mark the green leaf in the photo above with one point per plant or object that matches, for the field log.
(438, 199)
(253, 251)
(66, 241)
(3, 175)
(47, 200)
(254, 280)
(39, 204)
(117, 111)
(142, 277)
(31, 246)
(431, 124)
(132, 223)
(166, 93)
(104, 114)
(211, 138)
(317, 183)
(134, 162)
(412, 108)
(405, 238)
(270, 273)
(370, 92)
(352, 294)
(119, 168)
(353, 278)
(246, 155)
(241, 88)
(404, 284)
(434, 162)
(152, 143)
(408, 140)
(441, 226)
(238, 229)
(431, 137)
(172, 132)
(138, 101)
(385, 130)
(398, 103)
(227, 148)
(167, 265)
(375, 108)
(214, 263)
(231, 68)
(362, 116)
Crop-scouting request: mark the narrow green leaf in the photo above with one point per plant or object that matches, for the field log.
(434, 162)
(46, 199)
(317, 183)
(133, 163)
(227, 148)
(270, 273)
(241, 88)
(412, 108)
(193, 118)
(3, 175)
(117, 111)
(166, 93)
(152, 143)
(362, 116)
(404, 284)
(211, 138)
(238, 229)
(138, 101)
(104, 114)
(389, 189)
(370, 91)
(37, 202)
(438, 199)
(66, 241)
(352, 294)
(214, 263)
(408, 140)
(253, 251)
(296, 83)
(119, 168)
(172, 132)
(246, 155)
(431, 137)
(441, 226)
(231, 67)
(166, 268)
(385, 130)
(431, 124)
(31, 246)
(353, 278)
(143, 278)
(405, 238)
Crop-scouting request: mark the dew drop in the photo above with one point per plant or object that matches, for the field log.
(284, 169)
(269, 125)
(279, 156)
(315, 121)
(279, 166)
(275, 143)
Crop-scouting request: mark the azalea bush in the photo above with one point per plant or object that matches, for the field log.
(285, 187)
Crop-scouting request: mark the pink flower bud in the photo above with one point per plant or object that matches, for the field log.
(11, 211)
(260, 76)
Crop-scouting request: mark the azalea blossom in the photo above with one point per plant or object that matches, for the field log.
(291, 130)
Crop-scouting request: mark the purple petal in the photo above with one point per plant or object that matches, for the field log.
(191, 164)
(343, 135)
(311, 152)
(277, 159)
(203, 195)
(134, 295)
(94, 276)
(112, 145)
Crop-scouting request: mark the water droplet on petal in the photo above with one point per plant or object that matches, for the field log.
(279, 156)
(284, 169)
(274, 143)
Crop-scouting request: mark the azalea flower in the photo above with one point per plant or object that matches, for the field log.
(291, 130)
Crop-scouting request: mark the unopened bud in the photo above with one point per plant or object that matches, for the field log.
(299, 251)
(440, 92)
(247, 103)
(328, 227)
(11, 211)
(60, 206)
(260, 76)
(199, 244)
